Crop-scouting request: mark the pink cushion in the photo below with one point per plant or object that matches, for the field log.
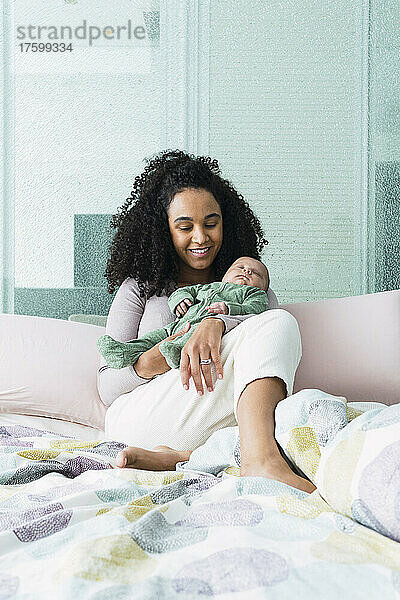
(48, 368)
(351, 346)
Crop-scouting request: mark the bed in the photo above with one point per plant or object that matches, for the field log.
(74, 526)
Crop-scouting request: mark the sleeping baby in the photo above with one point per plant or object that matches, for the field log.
(242, 291)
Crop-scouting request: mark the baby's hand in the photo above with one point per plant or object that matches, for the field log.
(182, 307)
(218, 308)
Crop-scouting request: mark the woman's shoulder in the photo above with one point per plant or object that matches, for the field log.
(130, 287)
(130, 284)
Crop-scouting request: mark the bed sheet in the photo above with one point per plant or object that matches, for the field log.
(102, 533)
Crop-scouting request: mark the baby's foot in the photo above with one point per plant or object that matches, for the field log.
(278, 470)
(161, 458)
(116, 354)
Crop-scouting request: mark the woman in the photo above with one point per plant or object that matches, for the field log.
(183, 225)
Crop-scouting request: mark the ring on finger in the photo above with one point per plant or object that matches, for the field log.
(205, 361)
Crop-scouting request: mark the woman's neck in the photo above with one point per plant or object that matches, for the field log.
(194, 276)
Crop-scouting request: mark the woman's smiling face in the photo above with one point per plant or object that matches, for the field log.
(195, 223)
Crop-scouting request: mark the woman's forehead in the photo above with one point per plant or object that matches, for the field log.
(196, 204)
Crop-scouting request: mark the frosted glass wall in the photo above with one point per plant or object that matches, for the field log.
(81, 128)
(286, 113)
(299, 101)
(305, 118)
(385, 144)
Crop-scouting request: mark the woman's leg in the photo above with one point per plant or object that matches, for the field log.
(266, 347)
(260, 455)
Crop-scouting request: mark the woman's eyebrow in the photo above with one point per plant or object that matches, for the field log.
(190, 218)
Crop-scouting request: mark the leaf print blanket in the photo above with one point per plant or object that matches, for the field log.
(73, 526)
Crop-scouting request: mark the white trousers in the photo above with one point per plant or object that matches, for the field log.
(162, 412)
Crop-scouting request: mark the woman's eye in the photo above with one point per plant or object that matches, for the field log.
(187, 228)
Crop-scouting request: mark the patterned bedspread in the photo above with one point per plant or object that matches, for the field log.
(74, 527)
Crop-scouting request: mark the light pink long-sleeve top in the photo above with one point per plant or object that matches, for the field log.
(131, 316)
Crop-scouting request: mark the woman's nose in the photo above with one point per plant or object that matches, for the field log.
(246, 270)
(199, 236)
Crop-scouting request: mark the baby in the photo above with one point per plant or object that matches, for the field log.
(242, 291)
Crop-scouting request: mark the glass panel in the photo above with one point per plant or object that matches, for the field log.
(286, 110)
(385, 141)
(84, 121)
(300, 107)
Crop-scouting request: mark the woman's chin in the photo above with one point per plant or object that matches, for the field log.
(200, 262)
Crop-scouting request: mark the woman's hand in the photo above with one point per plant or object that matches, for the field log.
(152, 362)
(205, 342)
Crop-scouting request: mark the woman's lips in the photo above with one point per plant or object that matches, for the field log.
(199, 254)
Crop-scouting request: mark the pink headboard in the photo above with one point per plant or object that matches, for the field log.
(351, 346)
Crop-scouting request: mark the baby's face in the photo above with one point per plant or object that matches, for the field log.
(248, 271)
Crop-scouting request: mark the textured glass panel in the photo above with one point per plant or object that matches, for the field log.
(385, 141)
(299, 102)
(82, 131)
(286, 111)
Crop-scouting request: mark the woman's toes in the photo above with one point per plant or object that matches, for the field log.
(160, 458)
(120, 460)
(126, 457)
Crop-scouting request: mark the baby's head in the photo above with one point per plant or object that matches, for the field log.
(248, 271)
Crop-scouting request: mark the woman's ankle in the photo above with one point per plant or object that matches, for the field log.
(271, 457)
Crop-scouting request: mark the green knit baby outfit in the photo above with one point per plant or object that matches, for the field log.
(240, 300)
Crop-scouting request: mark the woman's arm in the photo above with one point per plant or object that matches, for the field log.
(230, 321)
(152, 363)
(122, 324)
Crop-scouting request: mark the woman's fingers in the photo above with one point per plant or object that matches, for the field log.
(216, 358)
(185, 369)
(206, 369)
(187, 372)
(204, 343)
(199, 369)
(196, 373)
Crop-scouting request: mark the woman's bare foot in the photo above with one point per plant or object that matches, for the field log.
(161, 458)
(279, 470)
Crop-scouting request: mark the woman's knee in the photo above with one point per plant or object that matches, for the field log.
(287, 318)
(277, 323)
(277, 318)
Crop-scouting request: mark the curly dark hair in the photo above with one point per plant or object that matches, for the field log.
(142, 246)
